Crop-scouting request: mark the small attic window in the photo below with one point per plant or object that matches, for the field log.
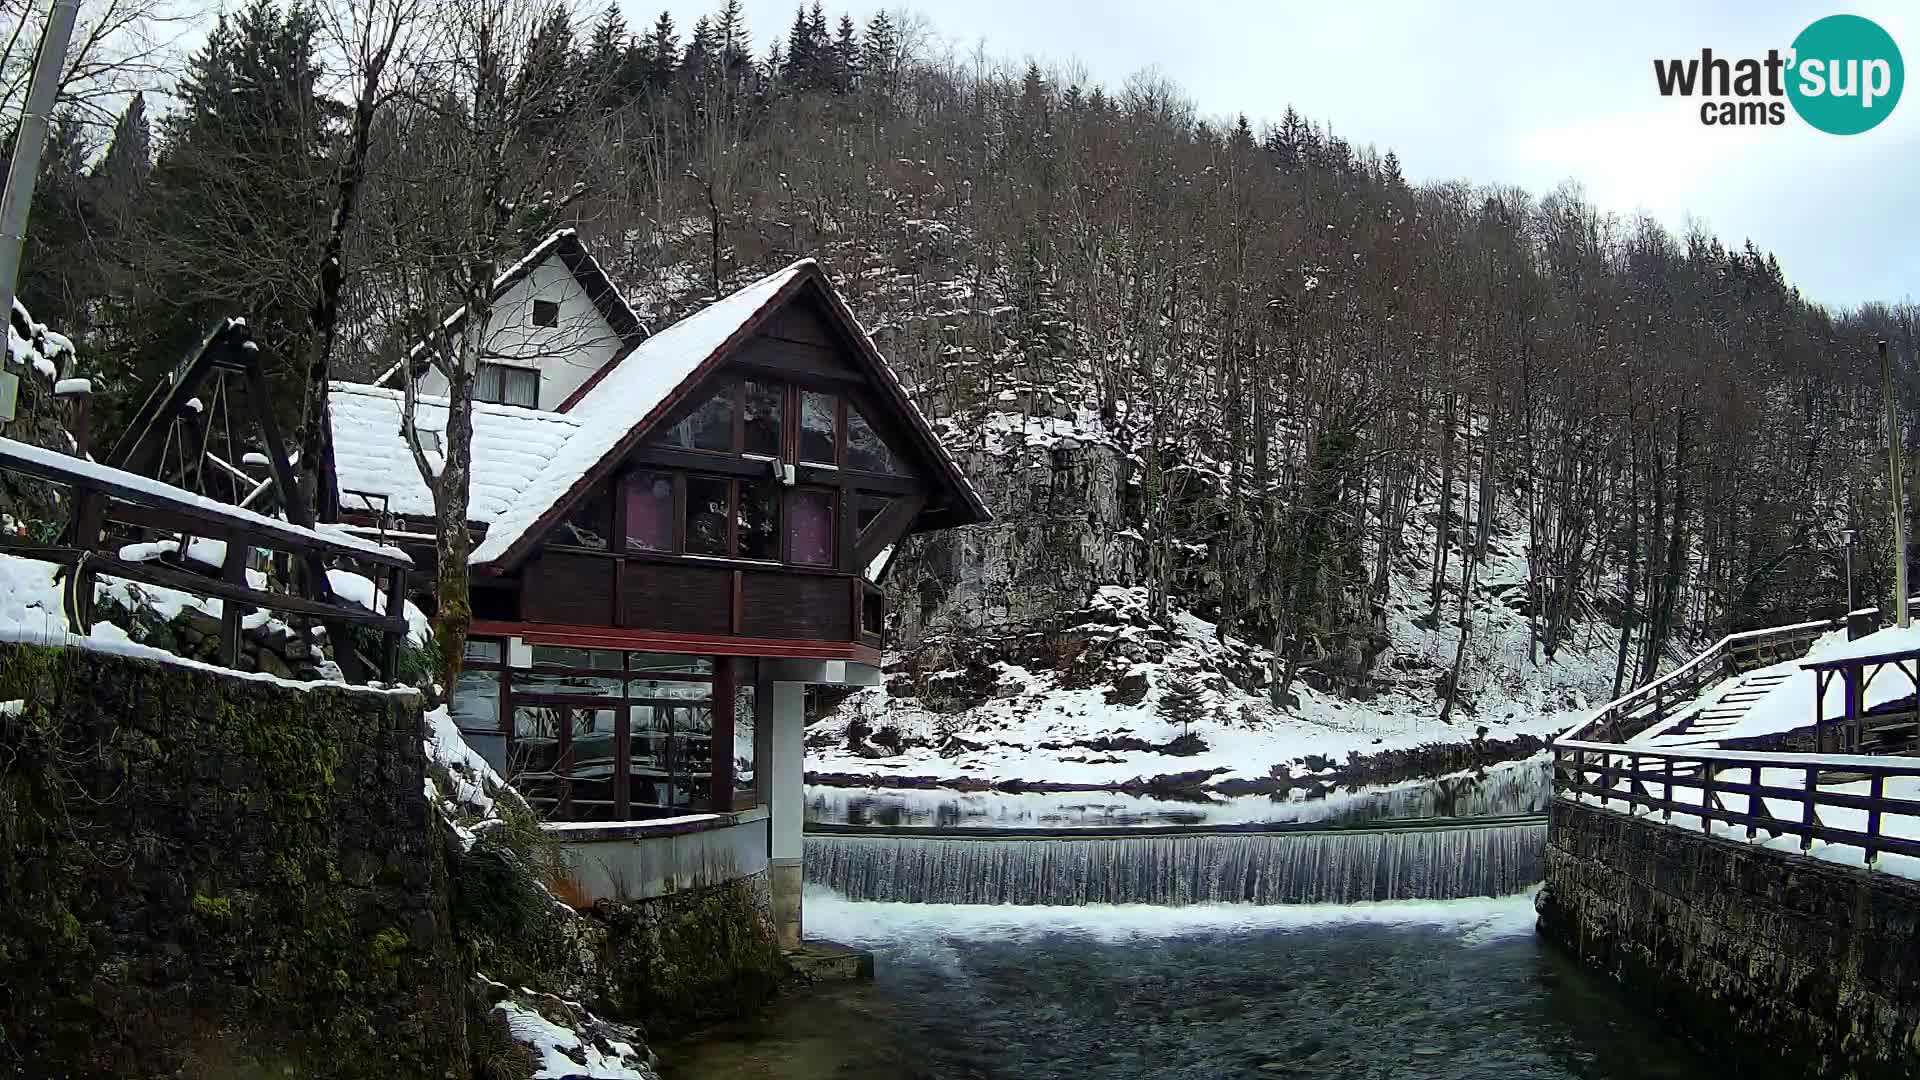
(546, 313)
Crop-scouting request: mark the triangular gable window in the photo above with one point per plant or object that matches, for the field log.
(866, 450)
(709, 427)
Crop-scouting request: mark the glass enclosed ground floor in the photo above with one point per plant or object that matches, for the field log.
(589, 734)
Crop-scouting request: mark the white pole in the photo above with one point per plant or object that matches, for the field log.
(1898, 483)
(28, 142)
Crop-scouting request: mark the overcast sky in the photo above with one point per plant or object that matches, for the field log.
(1503, 92)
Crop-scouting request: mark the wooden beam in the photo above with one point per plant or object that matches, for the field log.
(186, 581)
(139, 506)
(888, 528)
(606, 637)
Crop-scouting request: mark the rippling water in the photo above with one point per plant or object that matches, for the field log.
(1439, 991)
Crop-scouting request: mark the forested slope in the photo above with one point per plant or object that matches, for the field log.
(1386, 437)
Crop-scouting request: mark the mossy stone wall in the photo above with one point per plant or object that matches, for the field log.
(1786, 964)
(210, 876)
(701, 954)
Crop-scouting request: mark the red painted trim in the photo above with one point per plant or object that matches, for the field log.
(606, 637)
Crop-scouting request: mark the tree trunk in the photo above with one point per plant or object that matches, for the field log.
(454, 545)
(315, 435)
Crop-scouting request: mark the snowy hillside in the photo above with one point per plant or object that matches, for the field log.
(1104, 719)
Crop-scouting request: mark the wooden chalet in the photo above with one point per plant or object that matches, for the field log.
(702, 519)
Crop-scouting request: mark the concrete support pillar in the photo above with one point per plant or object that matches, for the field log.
(784, 712)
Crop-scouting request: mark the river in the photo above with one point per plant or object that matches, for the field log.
(1441, 990)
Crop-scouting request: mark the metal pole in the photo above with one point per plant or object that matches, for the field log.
(1849, 550)
(1898, 493)
(28, 141)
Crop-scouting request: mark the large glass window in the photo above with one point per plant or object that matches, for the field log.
(759, 521)
(818, 423)
(708, 499)
(765, 403)
(709, 427)
(745, 779)
(590, 525)
(810, 526)
(866, 450)
(650, 512)
(597, 734)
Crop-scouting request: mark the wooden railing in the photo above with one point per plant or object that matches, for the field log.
(101, 495)
(1734, 788)
(1640, 709)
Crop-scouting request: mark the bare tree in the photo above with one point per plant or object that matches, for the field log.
(484, 138)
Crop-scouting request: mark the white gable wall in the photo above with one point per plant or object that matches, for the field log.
(565, 355)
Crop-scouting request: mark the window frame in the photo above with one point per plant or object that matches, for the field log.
(720, 678)
(540, 307)
(507, 371)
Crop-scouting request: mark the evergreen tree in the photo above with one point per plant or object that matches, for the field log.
(1181, 703)
(238, 206)
(120, 177)
(605, 65)
(801, 71)
(661, 53)
(880, 52)
(702, 60)
(550, 78)
(846, 57)
(57, 280)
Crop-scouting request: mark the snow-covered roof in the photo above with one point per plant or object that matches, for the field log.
(126, 485)
(624, 396)
(1890, 641)
(529, 464)
(511, 446)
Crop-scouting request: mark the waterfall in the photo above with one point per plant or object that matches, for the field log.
(1330, 867)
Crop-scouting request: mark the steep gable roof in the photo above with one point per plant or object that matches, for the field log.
(565, 244)
(622, 402)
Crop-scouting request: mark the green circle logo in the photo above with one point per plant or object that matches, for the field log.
(1846, 75)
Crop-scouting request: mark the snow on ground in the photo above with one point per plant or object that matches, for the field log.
(1903, 826)
(832, 917)
(1025, 733)
(31, 612)
(1789, 704)
(567, 1042)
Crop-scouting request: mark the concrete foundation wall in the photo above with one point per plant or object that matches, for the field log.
(643, 860)
(1800, 967)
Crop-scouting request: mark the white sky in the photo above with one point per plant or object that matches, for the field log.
(1500, 91)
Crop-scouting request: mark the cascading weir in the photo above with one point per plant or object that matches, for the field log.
(1336, 866)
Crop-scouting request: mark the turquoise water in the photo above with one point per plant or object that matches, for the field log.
(1440, 991)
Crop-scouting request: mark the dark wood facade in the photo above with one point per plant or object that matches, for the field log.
(745, 521)
(612, 670)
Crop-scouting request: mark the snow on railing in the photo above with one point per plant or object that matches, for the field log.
(1860, 806)
(1684, 682)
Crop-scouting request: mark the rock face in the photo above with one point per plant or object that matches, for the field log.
(208, 875)
(1059, 534)
(1801, 967)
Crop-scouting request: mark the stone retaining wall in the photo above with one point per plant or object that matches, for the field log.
(1797, 966)
(210, 875)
